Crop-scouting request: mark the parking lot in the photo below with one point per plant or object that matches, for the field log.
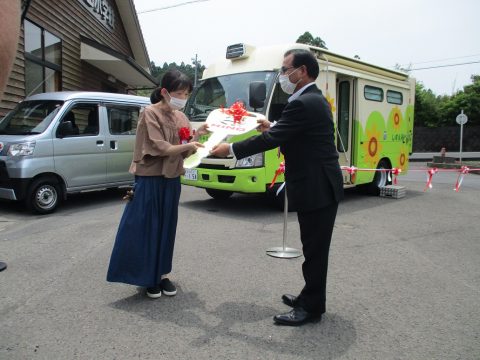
(403, 280)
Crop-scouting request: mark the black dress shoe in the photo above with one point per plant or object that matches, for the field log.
(297, 316)
(289, 300)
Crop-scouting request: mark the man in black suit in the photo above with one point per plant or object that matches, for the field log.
(305, 134)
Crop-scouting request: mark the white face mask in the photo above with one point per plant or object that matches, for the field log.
(287, 86)
(176, 103)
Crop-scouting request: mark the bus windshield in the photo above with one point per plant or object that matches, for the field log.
(223, 91)
(30, 117)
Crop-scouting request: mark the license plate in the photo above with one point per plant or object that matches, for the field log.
(191, 174)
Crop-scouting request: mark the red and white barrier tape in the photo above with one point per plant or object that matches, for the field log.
(352, 170)
(464, 170)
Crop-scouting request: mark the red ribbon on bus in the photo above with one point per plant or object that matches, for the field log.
(351, 170)
(280, 170)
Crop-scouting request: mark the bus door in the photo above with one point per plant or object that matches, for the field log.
(345, 111)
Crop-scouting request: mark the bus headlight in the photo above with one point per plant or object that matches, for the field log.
(21, 149)
(255, 160)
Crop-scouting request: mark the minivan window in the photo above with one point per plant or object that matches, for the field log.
(84, 119)
(30, 117)
(122, 120)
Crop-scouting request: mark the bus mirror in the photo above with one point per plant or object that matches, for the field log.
(258, 93)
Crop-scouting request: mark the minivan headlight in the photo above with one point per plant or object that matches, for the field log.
(255, 160)
(22, 149)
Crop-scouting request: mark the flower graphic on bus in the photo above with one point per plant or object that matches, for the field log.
(396, 118)
(403, 157)
(372, 146)
(331, 102)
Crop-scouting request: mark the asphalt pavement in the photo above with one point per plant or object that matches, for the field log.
(403, 280)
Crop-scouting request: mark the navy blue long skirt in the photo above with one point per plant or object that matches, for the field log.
(143, 248)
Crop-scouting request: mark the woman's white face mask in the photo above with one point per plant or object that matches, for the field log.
(176, 103)
(287, 86)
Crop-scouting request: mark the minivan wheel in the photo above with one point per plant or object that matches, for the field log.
(219, 194)
(44, 196)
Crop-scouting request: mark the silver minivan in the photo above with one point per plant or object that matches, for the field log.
(55, 144)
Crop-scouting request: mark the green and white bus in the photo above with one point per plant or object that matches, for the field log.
(372, 108)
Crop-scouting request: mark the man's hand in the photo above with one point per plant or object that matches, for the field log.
(221, 150)
(264, 125)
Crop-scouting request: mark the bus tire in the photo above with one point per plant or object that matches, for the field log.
(44, 195)
(380, 179)
(219, 194)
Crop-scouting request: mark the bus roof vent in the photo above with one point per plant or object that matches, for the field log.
(238, 51)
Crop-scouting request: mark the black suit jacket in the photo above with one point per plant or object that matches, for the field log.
(305, 134)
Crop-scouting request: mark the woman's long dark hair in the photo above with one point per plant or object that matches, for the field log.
(172, 80)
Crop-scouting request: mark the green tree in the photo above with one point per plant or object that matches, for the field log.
(467, 100)
(435, 111)
(308, 39)
(158, 72)
(187, 69)
(426, 107)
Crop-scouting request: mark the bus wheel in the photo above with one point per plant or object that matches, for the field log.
(44, 195)
(219, 194)
(380, 179)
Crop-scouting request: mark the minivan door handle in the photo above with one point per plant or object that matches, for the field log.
(99, 142)
(113, 144)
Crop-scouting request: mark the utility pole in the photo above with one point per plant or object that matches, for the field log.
(195, 62)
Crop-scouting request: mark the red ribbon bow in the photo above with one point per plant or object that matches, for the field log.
(430, 174)
(237, 110)
(395, 172)
(351, 170)
(184, 134)
(463, 171)
(280, 170)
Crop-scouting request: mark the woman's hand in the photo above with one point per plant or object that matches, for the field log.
(202, 130)
(194, 145)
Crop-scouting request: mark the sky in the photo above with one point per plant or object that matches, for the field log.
(412, 33)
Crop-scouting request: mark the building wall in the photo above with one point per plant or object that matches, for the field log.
(433, 139)
(15, 90)
(68, 20)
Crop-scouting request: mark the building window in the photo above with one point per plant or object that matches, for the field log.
(394, 97)
(43, 60)
(373, 93)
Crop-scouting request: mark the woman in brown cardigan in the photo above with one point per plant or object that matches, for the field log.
(143, 249)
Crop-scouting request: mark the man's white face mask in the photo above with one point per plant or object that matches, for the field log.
(287, 86)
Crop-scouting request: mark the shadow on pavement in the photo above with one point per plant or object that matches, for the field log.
(328, 339)
(252, 205)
